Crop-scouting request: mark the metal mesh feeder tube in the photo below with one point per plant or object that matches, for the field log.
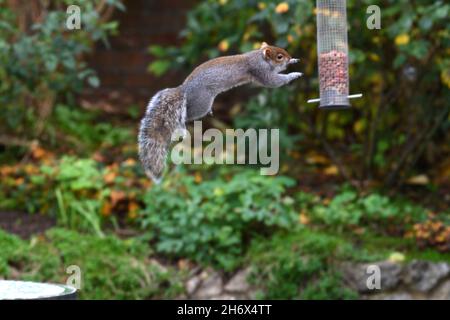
(332, 52)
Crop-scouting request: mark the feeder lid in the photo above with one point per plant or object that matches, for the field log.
(22, 290)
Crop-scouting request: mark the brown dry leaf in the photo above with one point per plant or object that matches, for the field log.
(295, 154)
(331, 171)
(38, 152)
(290, 38)
(110, 177)
(420, 180)
(282, 7)
(97, 156)
(303, 218)
(314, 158)
(7, 170)
(184, 264)
(30, 169)
(133, 208)
(19, 181)
(145, 182)
(198, 177)
(106, 209)
(116, 196)
(113, 167)
(285, 168)
(129, 162)
(223, 46)
(443, 172)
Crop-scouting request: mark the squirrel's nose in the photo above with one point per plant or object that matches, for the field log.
(294, 61)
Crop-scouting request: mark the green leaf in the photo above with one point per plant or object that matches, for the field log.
(157, 51)
(159, 67)
(93, 81)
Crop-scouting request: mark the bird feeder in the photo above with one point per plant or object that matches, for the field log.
(332, 52)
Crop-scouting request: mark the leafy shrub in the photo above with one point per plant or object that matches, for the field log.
(268, 110)
(211, 222)
(301, 265)
(83, 130)
(76, 179)
(40, 59)
(110, 268)
(82, 193)
(347, 209)
(328, 286)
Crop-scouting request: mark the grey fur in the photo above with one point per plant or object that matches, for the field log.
(169, 109)
(204, 84)
(165, 114)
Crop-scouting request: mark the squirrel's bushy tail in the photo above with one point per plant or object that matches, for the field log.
(165, 113)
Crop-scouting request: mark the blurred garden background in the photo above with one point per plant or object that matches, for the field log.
(363, 185)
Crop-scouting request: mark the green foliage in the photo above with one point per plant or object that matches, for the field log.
(110, 268)
(76, 210)
(84, 129)
(268, 110)
(211, 222)
(403, 69)
(300, 265)
(80, 192)
(328, 287)
(40, 62)
(347, 209)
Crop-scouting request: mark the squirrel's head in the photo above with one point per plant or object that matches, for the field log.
(278, 58)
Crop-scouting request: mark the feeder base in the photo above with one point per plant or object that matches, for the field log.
(335, 107)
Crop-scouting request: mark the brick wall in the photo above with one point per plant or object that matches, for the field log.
(122, 68)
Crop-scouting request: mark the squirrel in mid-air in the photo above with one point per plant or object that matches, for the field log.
(171, 108)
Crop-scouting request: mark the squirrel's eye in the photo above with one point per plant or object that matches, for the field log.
(280, 56)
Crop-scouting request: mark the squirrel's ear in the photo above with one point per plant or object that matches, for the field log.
(266, 53)
(264, 45)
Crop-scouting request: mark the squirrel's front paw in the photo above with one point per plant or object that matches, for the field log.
(295, 75)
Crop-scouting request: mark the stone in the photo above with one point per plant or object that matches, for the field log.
(192, 284)
(161, 268)
(224, 297)
(238, 283)
(210, 287)
(423, 276)
(442, 292)
(356, 276)
(393, 296)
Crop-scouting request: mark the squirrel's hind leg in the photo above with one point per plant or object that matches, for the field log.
(198, 105)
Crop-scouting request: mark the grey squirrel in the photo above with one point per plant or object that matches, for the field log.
(171, 108)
